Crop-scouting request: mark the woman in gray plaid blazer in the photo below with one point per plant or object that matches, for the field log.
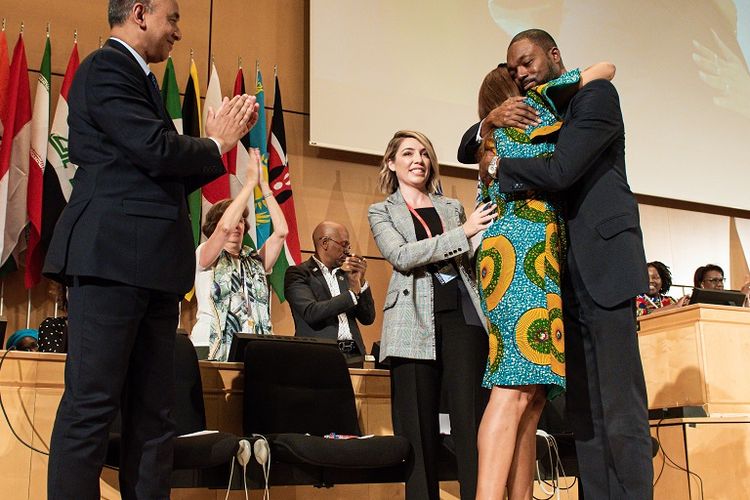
(433, 329)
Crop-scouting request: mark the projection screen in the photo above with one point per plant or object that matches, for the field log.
(682, 74)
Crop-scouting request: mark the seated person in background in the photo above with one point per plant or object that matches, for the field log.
(659, 283)
(328, 293)
(230, 278)
(24, 340)
(710, 277)
(53, 331)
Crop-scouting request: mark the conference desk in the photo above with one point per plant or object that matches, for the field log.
(696, 357)
(695, 362)
(31, 385)
(693, 357)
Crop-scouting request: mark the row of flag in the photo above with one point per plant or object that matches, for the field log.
(36, 173)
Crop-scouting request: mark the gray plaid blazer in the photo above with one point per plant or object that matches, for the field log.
(408, 317)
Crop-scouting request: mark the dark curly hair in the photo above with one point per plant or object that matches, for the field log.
(664, 273)
(700, 273)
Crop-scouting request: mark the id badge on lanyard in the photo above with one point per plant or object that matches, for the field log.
(446, 273)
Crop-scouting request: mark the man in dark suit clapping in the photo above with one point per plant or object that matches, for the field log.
(605, 266)
(124, 246)
(328, 293)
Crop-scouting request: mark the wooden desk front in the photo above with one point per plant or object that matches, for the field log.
(697, 356)
(31, 385)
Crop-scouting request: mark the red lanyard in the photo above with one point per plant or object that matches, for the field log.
(421, 220)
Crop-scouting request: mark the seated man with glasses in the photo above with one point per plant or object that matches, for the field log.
(328, 293)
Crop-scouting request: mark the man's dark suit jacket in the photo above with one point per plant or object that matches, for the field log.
(127, 219)
(588, 168)
(315, 312)
(467, 150)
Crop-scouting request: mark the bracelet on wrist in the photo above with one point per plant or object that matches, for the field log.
(268, 194)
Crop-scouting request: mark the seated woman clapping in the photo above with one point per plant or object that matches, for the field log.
(230, 278)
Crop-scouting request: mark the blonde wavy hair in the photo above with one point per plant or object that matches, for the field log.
(387, 181)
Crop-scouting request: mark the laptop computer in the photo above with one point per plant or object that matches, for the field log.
(720, 297)
(237, 350)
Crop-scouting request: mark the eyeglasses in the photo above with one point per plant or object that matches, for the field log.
(715, 281)
(345, 245)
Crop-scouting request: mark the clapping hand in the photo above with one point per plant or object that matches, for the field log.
(355, 268)
(234, 119)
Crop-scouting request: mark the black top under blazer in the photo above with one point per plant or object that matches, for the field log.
(127, 219)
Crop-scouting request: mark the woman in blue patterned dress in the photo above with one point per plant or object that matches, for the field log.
(230, 277)
(518, 269)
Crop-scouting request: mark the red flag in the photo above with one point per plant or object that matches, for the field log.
(237, 160)
(218, 189)
(37, 162)
(4, 75)
(14, 153)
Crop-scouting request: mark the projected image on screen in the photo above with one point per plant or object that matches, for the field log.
(682, 76)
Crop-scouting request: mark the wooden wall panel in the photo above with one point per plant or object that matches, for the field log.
(327, 184)
(64, 18)
(68, 16)
(272, 32)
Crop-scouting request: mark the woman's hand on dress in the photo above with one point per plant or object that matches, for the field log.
(480, 219)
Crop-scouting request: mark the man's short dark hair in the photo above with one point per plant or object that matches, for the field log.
(118, 10)
(537, 37)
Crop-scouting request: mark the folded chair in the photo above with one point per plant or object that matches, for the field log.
(296, 393)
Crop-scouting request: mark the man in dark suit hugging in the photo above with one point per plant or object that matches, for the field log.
(605, 265)
(124, 246)
(328, 293)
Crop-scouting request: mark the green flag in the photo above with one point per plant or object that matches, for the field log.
(171, 95)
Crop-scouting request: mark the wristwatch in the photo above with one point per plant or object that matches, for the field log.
(492, 169)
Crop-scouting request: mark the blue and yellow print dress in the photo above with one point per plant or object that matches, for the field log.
(519, 262)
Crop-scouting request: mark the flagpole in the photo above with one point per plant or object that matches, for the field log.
(28, 307)
(275, 78)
